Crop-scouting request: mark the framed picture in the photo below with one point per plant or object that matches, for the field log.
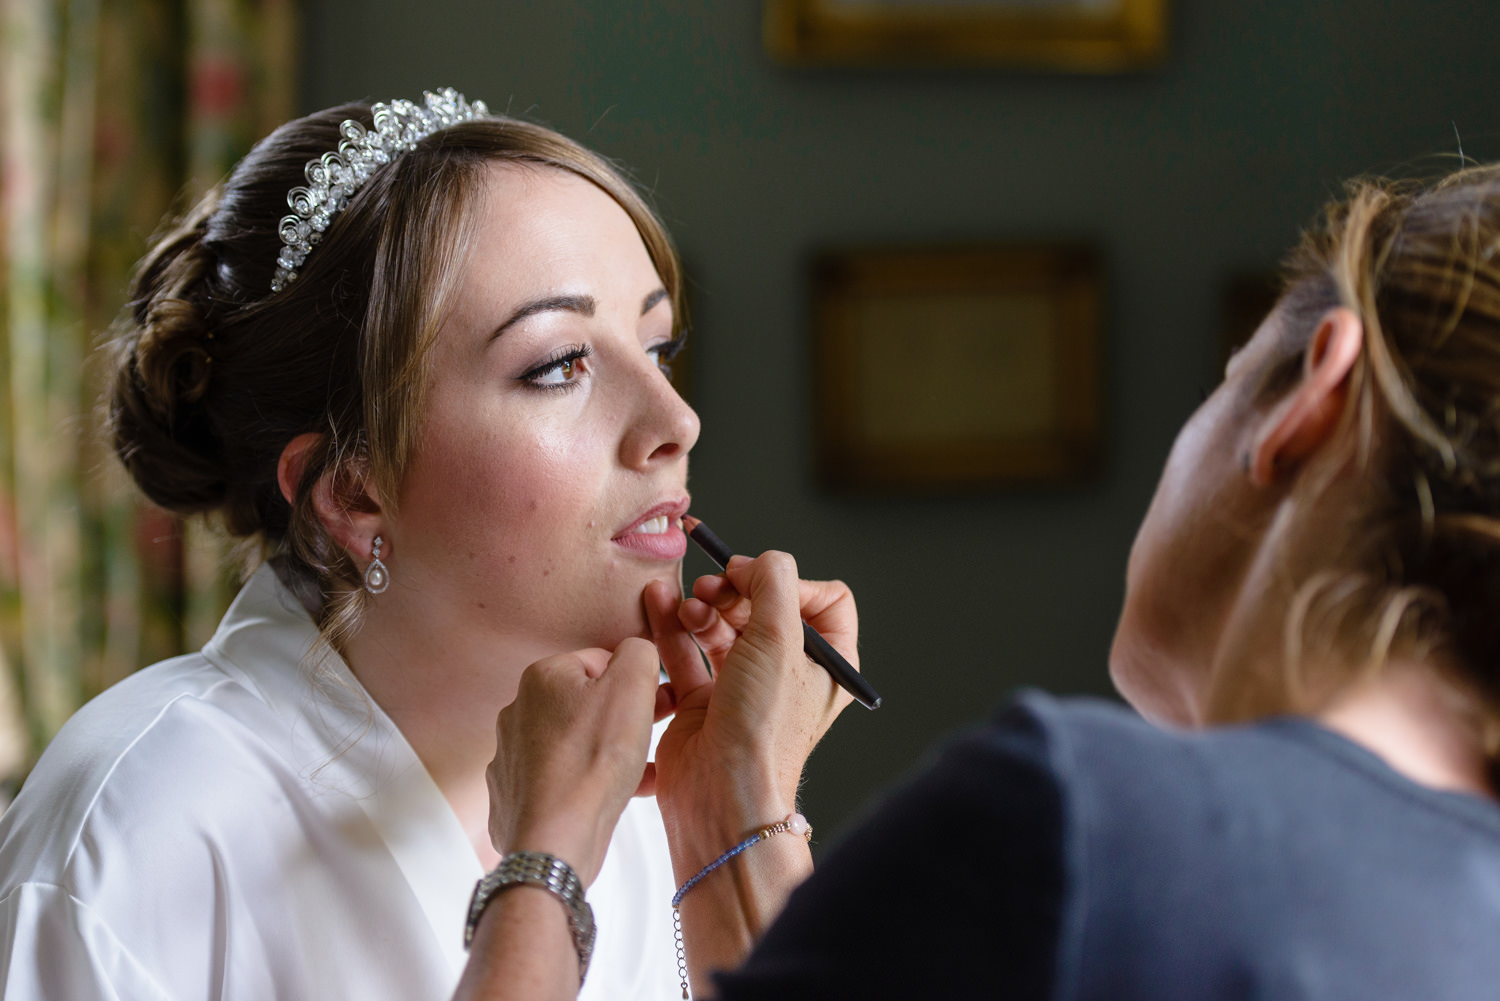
(956, 369)
(1098, 36)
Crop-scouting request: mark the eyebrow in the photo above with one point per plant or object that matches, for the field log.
(649, 303)
(584, 305)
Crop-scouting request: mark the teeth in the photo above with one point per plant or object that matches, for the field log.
(654, 526)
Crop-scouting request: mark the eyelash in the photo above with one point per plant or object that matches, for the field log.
(665, 352)
(668, 350)
(564, 356)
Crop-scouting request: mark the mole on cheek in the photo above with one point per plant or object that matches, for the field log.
(512, 558)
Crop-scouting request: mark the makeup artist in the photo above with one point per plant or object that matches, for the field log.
(1308, 809)
(431, 400)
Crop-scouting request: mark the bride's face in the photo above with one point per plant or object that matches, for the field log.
(551, 465)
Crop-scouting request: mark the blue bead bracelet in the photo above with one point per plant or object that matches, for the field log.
(795, 824)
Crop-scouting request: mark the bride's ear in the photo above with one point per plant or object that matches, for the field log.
(343, 498)
(1307, 417)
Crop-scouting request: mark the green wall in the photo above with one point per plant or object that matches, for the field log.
(1182, 176)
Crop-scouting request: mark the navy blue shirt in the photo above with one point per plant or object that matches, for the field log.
(1070, 850)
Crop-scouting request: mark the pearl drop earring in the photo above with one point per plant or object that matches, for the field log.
(377, 577)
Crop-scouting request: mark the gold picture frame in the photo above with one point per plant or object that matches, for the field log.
(956, 369)
(1089, 36)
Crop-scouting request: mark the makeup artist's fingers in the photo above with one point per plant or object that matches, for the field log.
(666, 702)
(674, 644)
(828, 606)
(570, 751)
(743, 756)
(767, 611)
(719, 592)
(696, 615)
(718, 596)
(714, 636)
(764, 634)
(719, 581)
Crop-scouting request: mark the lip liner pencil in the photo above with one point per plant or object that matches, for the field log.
(814, 645)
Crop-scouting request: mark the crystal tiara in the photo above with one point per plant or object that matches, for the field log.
(334, 177)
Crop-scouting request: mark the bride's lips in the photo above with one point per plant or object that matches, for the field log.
(657, 533)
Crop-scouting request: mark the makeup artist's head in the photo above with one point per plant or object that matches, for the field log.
(469, 365)
(1334, 506)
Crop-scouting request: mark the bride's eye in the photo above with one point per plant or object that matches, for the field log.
(666, 351)
(561, 371)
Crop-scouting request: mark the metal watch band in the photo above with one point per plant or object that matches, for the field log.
(551, 874)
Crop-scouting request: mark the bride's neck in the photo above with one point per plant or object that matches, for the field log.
(443, 695)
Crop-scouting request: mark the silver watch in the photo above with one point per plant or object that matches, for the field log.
(551, 874)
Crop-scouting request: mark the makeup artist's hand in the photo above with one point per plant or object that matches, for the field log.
(731, 759)
(741, 736)
(571, 751)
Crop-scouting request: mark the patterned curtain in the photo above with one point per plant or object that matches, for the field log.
(112, 114)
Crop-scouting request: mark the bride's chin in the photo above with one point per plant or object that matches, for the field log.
(627, 617)
(622, 629)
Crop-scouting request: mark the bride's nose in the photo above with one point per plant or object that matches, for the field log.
(662, 426)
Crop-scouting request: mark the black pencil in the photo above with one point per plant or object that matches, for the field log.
(818, 650)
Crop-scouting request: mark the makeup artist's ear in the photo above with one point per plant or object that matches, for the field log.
(1307, 417)
(344, 499)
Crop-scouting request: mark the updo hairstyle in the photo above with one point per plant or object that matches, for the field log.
(1420, 265)
(214, 374)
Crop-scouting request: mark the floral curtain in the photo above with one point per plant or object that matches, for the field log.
(112, 114)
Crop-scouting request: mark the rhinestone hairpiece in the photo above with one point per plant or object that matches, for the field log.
(334, 177)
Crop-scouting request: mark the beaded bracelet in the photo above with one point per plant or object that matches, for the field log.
(794, 823)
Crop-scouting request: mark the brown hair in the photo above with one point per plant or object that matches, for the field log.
(1419, 263)
(213, 374)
